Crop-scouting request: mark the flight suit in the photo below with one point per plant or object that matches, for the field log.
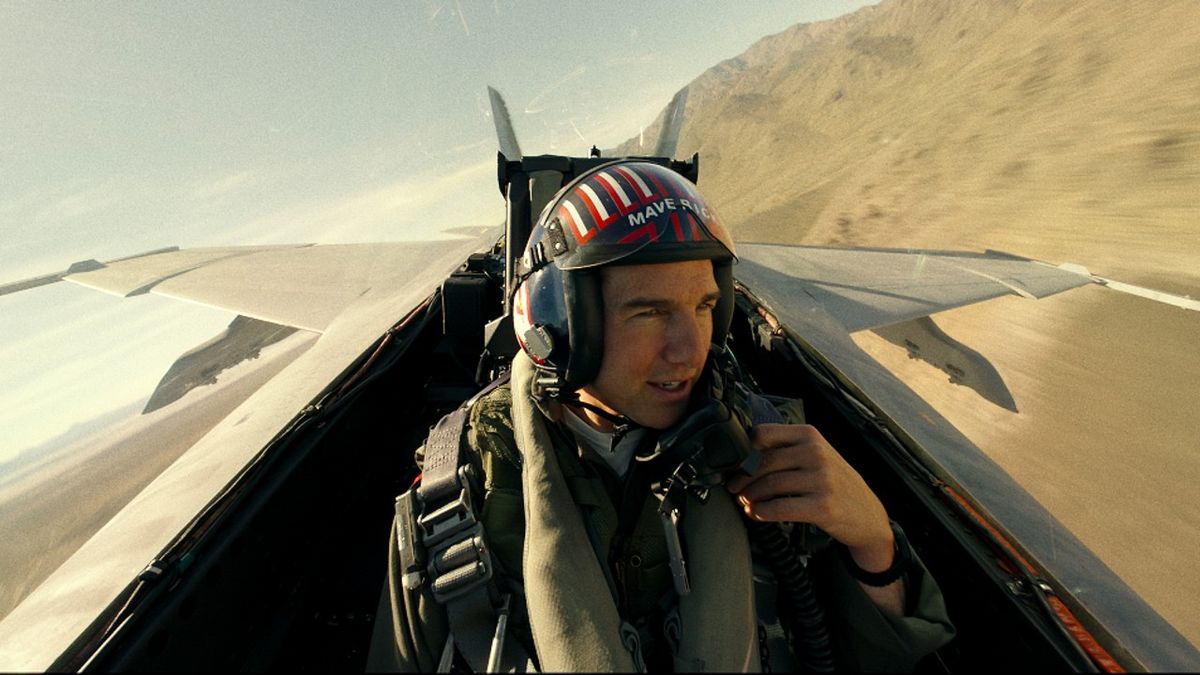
(639, 576)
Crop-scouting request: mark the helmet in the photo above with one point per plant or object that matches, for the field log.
(627, 212)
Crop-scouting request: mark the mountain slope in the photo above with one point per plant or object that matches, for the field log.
(1054, 130)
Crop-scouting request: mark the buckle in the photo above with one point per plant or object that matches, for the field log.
(459, 559)
(408, 543)
(449, 518)
(459, 565)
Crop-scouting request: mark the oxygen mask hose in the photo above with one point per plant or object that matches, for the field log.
(810, 635)
(703, 449)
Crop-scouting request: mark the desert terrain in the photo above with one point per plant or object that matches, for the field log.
(1065, 132)
(57, 503)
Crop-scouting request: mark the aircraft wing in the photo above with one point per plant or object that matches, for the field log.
(893, 291)
(303, 286)
(353, 293)
(873, 288)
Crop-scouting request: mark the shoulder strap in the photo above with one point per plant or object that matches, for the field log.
(459, 567)
(444, 456)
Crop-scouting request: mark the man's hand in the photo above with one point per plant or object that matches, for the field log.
(802, 479)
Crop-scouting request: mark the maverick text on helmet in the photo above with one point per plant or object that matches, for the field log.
(627, 212)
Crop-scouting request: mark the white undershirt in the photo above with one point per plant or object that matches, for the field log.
(601, 443)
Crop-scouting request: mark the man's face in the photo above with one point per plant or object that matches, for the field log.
(658, 322)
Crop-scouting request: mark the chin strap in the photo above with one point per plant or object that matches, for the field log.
(622, 425)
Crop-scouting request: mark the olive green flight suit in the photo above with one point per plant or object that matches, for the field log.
(864, 638)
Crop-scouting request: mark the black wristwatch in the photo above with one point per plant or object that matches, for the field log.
(901, 561)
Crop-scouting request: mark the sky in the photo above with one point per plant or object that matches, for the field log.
(131, 126)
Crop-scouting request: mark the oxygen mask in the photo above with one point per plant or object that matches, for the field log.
(697, 454)
(711, 442)
(706, 447)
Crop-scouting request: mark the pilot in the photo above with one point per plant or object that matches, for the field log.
(626, 501)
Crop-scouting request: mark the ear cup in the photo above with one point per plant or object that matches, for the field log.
(723, 312)
(585, 325)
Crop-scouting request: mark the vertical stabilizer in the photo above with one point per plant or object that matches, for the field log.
(504, 128)
(668, 138)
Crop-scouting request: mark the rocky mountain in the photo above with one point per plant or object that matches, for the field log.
(1065, 131)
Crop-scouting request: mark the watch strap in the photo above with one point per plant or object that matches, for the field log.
(901, 561)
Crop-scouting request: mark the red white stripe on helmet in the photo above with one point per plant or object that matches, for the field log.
(595, 206)
(612, 193)
(634, 178)
(568, 213)
(614, 189)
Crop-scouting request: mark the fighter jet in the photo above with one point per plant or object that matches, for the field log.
(262, 543)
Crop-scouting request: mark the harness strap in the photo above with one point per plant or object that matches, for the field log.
(443, 449)
(458, 564)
